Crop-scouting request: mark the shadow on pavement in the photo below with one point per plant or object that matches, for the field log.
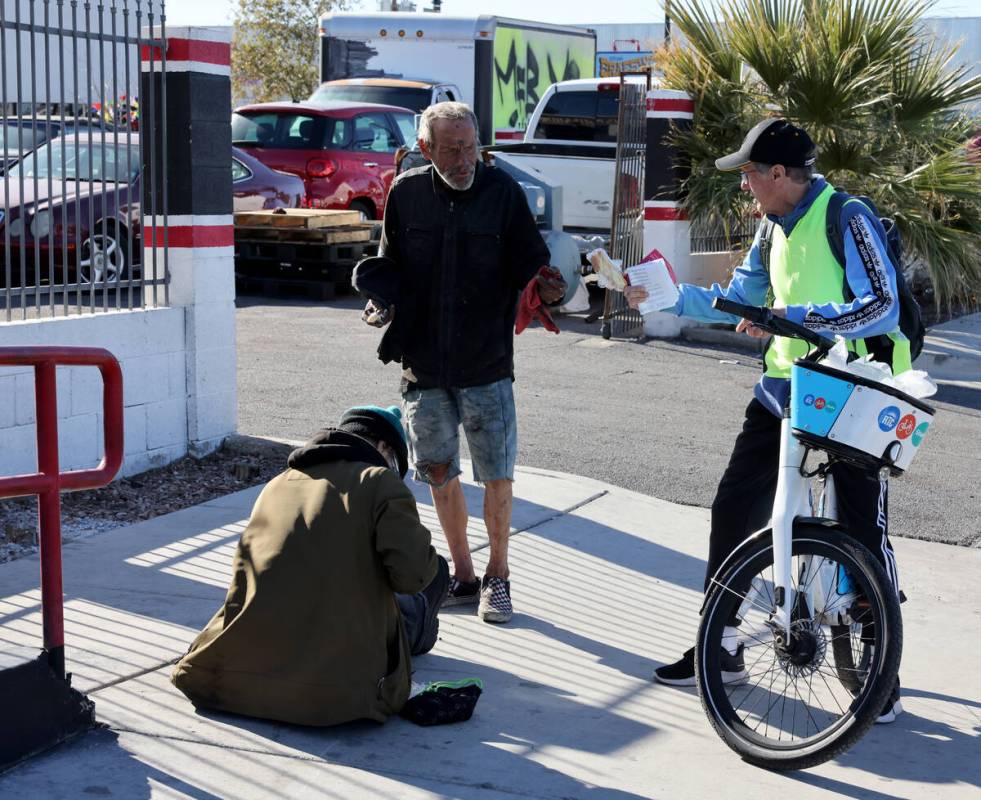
(494, 751)
(965, 396)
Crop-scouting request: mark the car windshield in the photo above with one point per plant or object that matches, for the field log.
(81, 162)
(18, 138)
(415, 99)
(588, 116)
(407, 127)
(283, 130)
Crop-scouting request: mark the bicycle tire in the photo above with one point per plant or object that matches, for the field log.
(860, 710)
(849, 670)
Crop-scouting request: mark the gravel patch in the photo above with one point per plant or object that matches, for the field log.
(241, 462)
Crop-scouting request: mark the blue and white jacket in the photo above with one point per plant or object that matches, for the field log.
(868, 269)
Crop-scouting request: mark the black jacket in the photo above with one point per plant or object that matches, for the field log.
(462, 259)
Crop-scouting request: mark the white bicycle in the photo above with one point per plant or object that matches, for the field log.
(817, 617)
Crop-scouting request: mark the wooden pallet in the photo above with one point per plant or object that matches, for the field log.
(338, 234)
(308, 250)
(301, 218)
(278, 267)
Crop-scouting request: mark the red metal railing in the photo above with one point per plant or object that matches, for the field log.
(48, 482)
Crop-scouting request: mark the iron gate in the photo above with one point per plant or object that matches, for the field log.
(627, 229)
(79, 183)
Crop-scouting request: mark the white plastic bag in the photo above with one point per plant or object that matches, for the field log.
(914, 382)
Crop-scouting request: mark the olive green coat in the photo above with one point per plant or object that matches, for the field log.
(310, 631)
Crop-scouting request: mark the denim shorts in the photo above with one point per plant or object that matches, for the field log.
(432, 421)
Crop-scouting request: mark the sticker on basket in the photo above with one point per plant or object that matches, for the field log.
(919, 433)
(888, 418)
(818, 400)
(905, 427)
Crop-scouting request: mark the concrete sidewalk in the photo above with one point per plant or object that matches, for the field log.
(952, 351)
(606, 586)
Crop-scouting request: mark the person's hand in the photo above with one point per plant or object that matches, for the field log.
(635, 295)
(376, 316)
(551, 286)
(747, 327)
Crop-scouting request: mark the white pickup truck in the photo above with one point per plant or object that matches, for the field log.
(571, 140)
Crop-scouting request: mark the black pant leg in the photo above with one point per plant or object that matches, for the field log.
(863, 507)
(413, 607)
(744, 500)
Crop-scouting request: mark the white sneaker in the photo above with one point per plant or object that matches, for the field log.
(892, 710)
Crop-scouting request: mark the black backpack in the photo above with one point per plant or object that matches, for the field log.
(910, 318)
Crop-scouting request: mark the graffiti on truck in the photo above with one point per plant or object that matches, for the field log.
(611, 64)
(526, 63)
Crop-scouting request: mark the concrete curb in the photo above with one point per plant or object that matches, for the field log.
(722, 336)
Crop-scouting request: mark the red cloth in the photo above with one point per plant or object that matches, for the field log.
(530, 308)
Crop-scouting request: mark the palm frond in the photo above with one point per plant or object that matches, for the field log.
(879, 97)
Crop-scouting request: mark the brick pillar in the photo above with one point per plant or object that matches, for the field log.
(194, 216)
(666, 224)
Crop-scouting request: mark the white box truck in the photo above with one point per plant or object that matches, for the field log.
(502, 66)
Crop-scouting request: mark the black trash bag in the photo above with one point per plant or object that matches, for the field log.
(443, 702)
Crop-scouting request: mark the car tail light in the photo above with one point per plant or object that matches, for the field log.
(321, 168)
(608, 87)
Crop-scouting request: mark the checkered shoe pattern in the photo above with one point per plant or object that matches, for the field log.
(495, 600)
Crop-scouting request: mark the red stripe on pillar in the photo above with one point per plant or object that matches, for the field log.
(193, 50)
(191, 236)
(666, 104)
(662, 214)
(509, 135)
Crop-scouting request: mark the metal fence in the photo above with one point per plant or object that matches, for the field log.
(717, 234)
(80, 173)
(627, 230)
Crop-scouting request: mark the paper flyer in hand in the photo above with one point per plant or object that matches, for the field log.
(654, 273)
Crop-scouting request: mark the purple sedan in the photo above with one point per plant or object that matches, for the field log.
(256, 187)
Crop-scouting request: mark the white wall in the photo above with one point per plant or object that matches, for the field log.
(178, 365)
(151, 348)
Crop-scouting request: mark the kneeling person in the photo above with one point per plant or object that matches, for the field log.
(335, 583)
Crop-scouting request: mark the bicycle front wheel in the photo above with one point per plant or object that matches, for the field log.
(799, 702)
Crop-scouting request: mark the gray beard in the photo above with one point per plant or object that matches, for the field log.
(453, 184)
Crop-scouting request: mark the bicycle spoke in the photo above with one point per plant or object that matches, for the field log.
(767, 715)
(763, 692)
(807, 707)
(831, 692)
(740, 596)
(750, 674)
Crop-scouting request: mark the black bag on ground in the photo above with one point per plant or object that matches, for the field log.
(444, 702)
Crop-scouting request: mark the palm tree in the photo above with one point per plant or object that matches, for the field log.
(876, 93)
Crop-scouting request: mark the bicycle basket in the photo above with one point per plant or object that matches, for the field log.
(855, 418)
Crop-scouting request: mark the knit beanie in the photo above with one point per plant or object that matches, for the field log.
(379, 425)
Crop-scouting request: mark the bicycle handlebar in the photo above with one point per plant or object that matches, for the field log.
(765, 319)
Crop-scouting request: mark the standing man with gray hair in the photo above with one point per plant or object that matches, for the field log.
(461, 245)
